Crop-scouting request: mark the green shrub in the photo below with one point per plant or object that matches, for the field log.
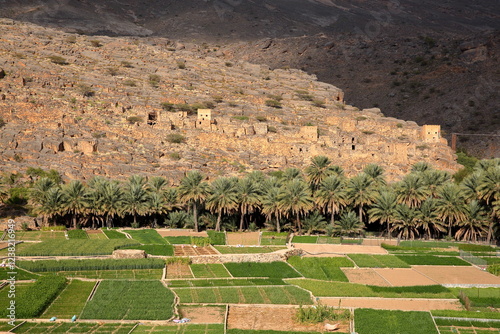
(2, 123)
(304, 95)
(241, 118)
(181, 64)
(319, 103)
(261, 118)
(175, 156)
(58, 60)
(95, 43)
(319, 313)
(134, 119)
(273, 104)
(154, 80)
(168, 106)
(176, 138)
(130, 83)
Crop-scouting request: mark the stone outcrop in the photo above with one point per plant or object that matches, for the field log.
(125, 106)
(261, 258)
(129, 254)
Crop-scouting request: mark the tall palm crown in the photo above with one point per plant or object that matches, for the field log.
(384, 209)
(135, 196)
(319, 169)
(75, 200)
(296, 198)
(361, 191)
(450, 205)
(331, 195)
(223, 197)
(411, 191)
(193, 191)
(248, 197)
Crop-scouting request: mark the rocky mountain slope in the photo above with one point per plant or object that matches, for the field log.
(108, 106)
(426, 61)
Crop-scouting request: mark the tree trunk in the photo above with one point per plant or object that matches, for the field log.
(490, 232)
(195, 217)
(74, 221)
(388, 230)
(155, 219)
(278, 227)
(299, 225)
(361, 214)
(449, 229)
(217, 225)
(242, 221)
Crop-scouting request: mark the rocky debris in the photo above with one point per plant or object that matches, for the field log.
(129, 254)
(130, 106)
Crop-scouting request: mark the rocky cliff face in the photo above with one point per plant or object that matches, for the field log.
(117, 106)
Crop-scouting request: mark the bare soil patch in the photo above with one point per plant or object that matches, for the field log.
(177, 270)
(457, 275)
(279, 318)
(93, 231)
(203, 314)
(188, 250)
(243, 238)
(181, 233)
(365, 276)
(379, 242)
(393, 303)
(404, 277)
(329, 250)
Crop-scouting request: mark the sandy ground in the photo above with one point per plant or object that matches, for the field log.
(181, 233)
(378, 242)
(279, 318)
(329, 250)
(393, 303)
(243, 238)
(176, 270)
(203, 315)
(457, 275)
(188, 250)
(365, 276)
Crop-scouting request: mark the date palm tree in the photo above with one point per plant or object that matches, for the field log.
(38, 194)
(470, 186)
(429, 219)
(75, 202)
(376, 173)
(290, 174)
(319, 169)
(421, 167)
(52, 203)
(270, 200)
(135, 197)
(110, 201)
(223, 197)
(248, 197)
(295, 198)
(384, 209)
(361, 191)
(450, 206)
(406, 222)
(348, 225)
(331, 195)
(474, 225)
(411, 190)
(489, 191)
(314, 222)
(433, 180)
(193, 191)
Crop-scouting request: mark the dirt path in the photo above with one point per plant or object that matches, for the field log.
(404, 304)
(181, 233)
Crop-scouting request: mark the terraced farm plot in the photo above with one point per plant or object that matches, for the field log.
(75, 328)
(146, 237)
(247, 250)
(73, 247)
(273, 238)
(328, 240)
(378, 261)
(71, 300)
(325, 268)
(137, 274)
(179, 240)
(181, 329)
(162, 250)
(252, 269)
(432, 260)
(467, 326)
(224, 282)
(245, 295)
(113, 234)
(188, 250)
(21, 275)
(209, 271)
(96, 234)
(130, 300)
(4, 298)
(178, 270)
(243, 238)
(40, 235)
(305, 239)
(77, 234)
(370, 321)
(91, 264)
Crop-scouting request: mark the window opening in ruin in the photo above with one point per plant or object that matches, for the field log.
(352, 140)
(152, 118)
(353, 147)
(61, 147)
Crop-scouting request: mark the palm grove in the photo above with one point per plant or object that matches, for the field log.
(425, 204)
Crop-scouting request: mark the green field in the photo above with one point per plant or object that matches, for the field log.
(179, 240)
(4, 295)
(323, 268)
(328, 240)
(71, 300)
(204, 283)
(466, 314)
(21, 275)
(305, 239)
(217, 238)
(113, 234)
(249, 331)
(130, 300)
(378, 261)
(73, 247)
(77, 234)
(131, 274)
(273, 238)
(74, 328)
(39, 235)
(247, 250)
(98, 236)
(181, 329)
(91, 264)
(370, 321)
(209, 271)
(341, 289)
(432, 260)
(245, 295)
(147, 236)
(252, 269)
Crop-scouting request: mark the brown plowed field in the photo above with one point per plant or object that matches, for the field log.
(393, 303)
(278, 318)
(328, 250)
(188, 250)
(177, 270)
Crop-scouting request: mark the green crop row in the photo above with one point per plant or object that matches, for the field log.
(204, 283)
(71, 301)
(131, 300)
(252, 269)
(181, 329)
(33, 301)
(217, 238)
(433, 260)
(209, 270)
(74, 247)
(466, 314)
(324, 268)
(112, 234)
(161, 250)
(467, 323)
(247, 250)
(147, 236)
(74, 328)
(370, 321)
(94, 264)
(378, 261)
(77, 234)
